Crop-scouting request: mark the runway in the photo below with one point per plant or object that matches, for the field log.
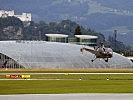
(68, 97)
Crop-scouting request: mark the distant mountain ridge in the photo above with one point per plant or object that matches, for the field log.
(101, 15)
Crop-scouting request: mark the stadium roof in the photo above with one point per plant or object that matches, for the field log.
(42, 54)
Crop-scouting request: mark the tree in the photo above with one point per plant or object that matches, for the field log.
(78, 31)
(10, 21)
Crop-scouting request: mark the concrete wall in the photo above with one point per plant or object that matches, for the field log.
(24, 17)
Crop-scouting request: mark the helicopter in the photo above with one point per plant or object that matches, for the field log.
(100, 52)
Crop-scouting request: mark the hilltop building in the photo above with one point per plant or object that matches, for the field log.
(25, 17)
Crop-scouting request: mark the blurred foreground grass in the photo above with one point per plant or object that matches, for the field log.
(65, 86)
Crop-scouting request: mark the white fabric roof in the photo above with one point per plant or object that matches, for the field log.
(86, 36)
(56, 35)
(57, 55)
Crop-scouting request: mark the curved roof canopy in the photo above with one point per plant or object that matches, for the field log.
(86, 36)
(43, 54)
(56, 35)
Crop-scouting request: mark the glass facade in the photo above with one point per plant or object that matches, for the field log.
(57, 39)
(89, 42)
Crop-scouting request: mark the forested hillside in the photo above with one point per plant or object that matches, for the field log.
(12, 28)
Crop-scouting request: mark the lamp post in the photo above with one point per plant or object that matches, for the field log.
(115, 36)
(40, 36)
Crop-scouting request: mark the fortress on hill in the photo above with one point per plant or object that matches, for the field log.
(25, 17)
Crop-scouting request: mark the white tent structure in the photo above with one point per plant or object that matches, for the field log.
(42, 54)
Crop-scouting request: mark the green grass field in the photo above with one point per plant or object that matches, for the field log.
(65, 86)
(69, 70)
(68, 83)
(82, 76)
(97, 83)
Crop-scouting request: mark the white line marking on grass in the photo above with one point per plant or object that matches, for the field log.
(63, 73)
(34, 79)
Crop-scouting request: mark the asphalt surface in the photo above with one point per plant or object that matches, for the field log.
(68, 97)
